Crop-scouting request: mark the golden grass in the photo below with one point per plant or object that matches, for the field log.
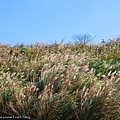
(61, 82)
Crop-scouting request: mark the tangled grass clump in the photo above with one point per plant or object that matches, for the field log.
(61, 82)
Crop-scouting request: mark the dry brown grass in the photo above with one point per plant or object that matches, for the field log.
(60, 82)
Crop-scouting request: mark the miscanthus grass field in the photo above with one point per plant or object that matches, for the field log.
(61, 81)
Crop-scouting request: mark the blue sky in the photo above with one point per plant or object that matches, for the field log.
(30, 21)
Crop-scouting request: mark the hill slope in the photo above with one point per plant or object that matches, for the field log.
(60, 82)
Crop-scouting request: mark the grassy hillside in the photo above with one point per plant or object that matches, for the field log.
(60, 82)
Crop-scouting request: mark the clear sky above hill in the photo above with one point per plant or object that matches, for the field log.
(29, 21)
